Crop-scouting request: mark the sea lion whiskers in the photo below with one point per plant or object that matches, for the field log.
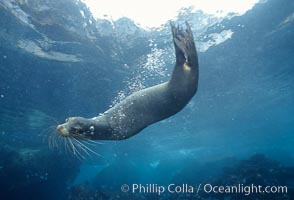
(52, 119)
(80, 149)
(71, 145)
(92, 142)
(79, 145)
(76, 151)
(86, 148)
(65, 143)
(49, 133)
(46, 131)
(53, 143)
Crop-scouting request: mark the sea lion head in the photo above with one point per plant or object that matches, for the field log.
(73, 130)
(77, 127)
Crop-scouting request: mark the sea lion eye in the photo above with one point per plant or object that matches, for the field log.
(66, 120)
(75, 129)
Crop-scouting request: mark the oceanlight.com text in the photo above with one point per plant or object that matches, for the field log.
(204, 188)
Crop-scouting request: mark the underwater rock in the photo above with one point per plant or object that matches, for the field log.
(259, 171)
(85, 192)
(256, 170)
(34, 173)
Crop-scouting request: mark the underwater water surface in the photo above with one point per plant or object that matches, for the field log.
(57, 61)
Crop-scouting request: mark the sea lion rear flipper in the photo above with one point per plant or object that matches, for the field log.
(184, 46)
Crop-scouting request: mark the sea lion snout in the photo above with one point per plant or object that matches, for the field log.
(62, 130)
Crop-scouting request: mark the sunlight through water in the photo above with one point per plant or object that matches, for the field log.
(154, 13)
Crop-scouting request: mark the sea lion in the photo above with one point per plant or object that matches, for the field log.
(146, 106)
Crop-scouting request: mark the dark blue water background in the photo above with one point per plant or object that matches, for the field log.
(244, 105)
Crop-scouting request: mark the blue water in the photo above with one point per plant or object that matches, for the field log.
(238, 129)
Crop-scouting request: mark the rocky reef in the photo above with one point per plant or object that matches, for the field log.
(259, 171)
(256, 170)
(35, 173)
